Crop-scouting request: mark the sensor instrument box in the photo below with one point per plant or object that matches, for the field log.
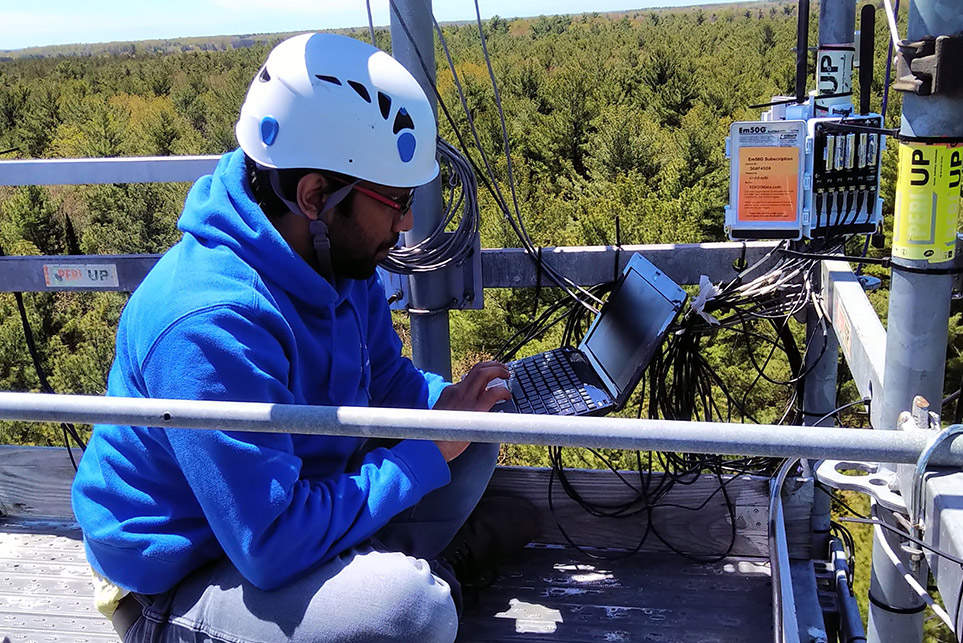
(767, 179)
(810, 178)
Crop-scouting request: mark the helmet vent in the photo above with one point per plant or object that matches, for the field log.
(402, 121)
(406, 147)
(361, 89)
(264, 76)
(328, 79)
(384, 102)
(269, 130)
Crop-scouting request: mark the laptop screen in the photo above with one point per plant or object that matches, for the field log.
(629, 329)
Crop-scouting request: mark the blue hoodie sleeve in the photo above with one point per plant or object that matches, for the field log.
(395, 382)
(274, 524)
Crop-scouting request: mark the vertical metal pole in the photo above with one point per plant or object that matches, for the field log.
(819, 398)
(924, 237)
(834, 57)
(837, 24)
(430, 341)
(919, 304)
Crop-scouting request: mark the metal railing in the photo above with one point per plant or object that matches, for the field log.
(599, 432)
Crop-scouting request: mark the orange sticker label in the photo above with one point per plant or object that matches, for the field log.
(768, 184)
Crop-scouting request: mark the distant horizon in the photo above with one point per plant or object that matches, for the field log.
(61, 23)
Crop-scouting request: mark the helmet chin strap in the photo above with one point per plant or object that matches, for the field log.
(317, 227)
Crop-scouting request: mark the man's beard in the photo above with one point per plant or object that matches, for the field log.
(359, 267)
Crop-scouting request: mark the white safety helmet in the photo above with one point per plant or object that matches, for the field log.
(329, 102)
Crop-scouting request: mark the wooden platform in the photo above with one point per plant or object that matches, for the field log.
(557, 594)
(551, 593)
(548, 594)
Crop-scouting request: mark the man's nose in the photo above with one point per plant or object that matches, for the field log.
(404, 222)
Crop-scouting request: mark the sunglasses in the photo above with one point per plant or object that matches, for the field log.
(400, 204)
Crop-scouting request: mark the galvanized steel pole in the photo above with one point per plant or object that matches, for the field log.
(919, 304)
(413, 45)
(924, 236)
(599, 432)
(837, 22)
(834, 55)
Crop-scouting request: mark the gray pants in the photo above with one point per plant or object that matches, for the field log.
(383, 590)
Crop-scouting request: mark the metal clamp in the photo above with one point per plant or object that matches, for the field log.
(930, 66)
(871, 479)
(921, 464)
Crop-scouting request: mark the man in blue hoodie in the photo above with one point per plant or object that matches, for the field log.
(270, 296)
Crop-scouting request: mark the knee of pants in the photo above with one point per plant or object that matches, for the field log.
(406, 602)
(481, 457)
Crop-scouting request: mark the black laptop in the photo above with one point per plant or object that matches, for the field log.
(599, 376)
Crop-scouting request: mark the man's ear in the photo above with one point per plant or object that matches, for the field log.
(312, 195)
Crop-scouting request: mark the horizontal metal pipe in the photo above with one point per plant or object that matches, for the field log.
(100, 171)
(588, 265)
(501, 267)
(617, 433)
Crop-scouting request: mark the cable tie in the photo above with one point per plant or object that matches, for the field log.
(896, 610)
(707, 291)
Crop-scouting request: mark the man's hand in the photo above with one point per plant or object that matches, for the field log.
(472, 394)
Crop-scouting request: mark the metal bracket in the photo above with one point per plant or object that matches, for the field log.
(873, 480)
(921, 465)
(930, 66)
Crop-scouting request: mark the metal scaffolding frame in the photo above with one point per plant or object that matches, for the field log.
(894, 370)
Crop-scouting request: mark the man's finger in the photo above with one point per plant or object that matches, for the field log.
(491, 397)
(478, 379)
(488, 371)
(490, 362)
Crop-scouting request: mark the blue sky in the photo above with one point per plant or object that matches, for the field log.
(53, 22)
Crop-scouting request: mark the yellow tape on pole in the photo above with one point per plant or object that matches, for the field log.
(928, 193)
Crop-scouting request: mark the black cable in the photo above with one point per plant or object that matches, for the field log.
(490, 182)
(645, 501)
(829, 492)
(68, 429)
(680, 381)
(864, 400)
(802, 50)
(886, 262)
(793, 101)
(849, 550)
(903, 534)
(847, 126)
(882, 261)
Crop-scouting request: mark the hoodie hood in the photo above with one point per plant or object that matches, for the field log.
(221, 211)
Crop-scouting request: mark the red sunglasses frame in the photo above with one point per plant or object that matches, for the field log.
(402, 207)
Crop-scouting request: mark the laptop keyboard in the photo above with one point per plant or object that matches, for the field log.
(549, 385)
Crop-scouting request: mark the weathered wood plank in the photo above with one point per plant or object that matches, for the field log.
(692, 518)
(557, 595)
(35, 482)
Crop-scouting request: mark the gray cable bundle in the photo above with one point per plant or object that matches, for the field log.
(440, 248)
